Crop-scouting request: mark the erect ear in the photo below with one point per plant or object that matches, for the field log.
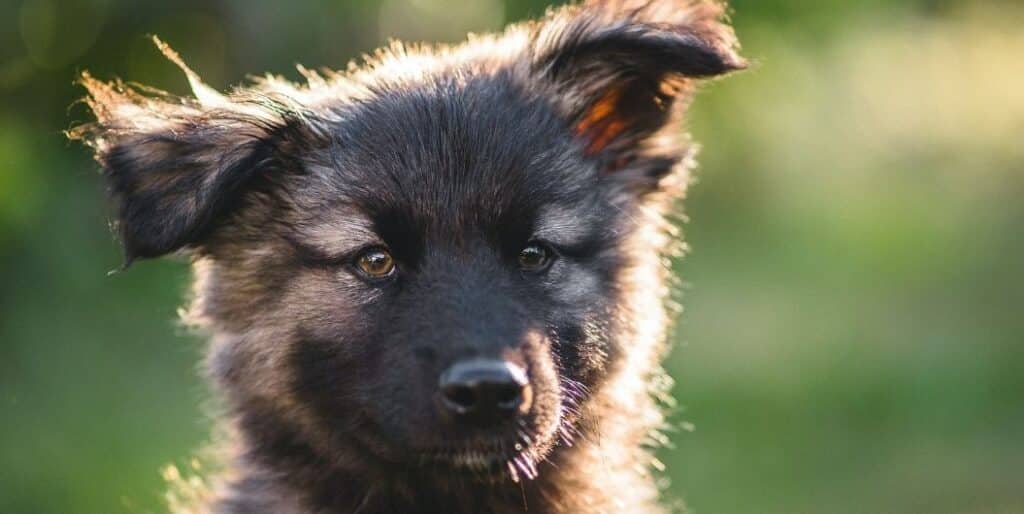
(621, 68)
(174, 165)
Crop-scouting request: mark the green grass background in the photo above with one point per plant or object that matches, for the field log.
(853, 334)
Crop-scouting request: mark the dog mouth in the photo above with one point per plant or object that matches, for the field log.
(470, 459)
(511, 453)
(514, 452)
(515, 460)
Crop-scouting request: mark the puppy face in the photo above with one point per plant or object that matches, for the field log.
(418, 265)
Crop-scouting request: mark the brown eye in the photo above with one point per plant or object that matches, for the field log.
(376, 263)
(534, 257)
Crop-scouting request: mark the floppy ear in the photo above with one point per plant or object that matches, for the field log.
(621, 68)
(173, 165)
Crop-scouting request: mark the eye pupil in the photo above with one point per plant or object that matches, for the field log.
(533, 257)
(376, 263)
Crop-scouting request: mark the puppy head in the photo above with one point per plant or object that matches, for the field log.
(420, 263)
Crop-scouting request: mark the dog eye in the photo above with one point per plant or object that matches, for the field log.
(376, 263)
(535, 257)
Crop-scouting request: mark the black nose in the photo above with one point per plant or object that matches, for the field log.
(484, 391)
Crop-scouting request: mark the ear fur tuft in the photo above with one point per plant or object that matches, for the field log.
(174, 164)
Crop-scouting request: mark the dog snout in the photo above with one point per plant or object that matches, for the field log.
(484, 391)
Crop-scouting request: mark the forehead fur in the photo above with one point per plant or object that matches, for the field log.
(468, 147)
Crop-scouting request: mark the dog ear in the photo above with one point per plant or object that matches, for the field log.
(173, 165)
(620, 67)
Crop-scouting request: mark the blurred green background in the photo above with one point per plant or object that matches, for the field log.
(853, 338)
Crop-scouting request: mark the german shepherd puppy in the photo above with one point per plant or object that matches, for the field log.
(433, 283)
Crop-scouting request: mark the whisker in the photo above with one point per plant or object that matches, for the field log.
(512, 470)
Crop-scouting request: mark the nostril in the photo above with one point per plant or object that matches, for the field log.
(508, 396)
(461, 397)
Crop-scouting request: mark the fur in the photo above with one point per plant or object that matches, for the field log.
(563, 131)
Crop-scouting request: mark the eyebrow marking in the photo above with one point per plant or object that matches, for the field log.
(564, 227)
(336, 232)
